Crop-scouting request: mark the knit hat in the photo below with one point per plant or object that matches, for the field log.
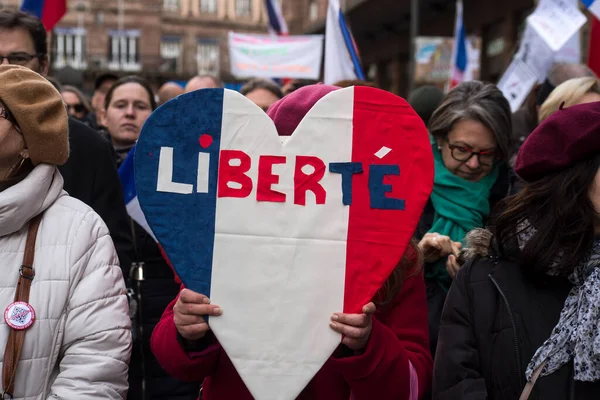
(566, 137)
(425, 100)
(39, 111)
(289, 111)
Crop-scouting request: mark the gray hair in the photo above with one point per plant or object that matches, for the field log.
(478, 101)
(258, 83)
(562, 72)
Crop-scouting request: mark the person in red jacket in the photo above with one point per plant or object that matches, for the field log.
(384, 352)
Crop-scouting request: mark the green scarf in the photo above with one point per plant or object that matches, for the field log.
(460, 206)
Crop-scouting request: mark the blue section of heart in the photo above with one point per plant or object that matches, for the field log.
(184, 224)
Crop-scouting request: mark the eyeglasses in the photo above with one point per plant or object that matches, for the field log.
(4, 113)
(78, 108)
(19, 58)
(464, 154)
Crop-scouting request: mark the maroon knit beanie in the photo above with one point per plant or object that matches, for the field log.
(289, 111)
(566, 137)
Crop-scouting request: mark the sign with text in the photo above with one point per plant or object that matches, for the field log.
(281, 236)
(266, 56)
(557, 21)
(516, 83)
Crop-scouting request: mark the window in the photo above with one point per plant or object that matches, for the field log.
(170, 53)
(313, 11)
(69, 48)
(123, 50)
(208, 6)
(208, 57)
(243, 8)
(171, 5)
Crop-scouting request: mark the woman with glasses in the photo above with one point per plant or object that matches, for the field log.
(471, 139)
(66, 329)
(77, 105)
(521, 319)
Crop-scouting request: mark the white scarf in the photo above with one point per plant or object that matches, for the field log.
(577, 334)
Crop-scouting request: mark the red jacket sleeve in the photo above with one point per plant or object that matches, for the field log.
(176, 361)
(400, 335)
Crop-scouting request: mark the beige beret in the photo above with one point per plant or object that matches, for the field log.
(39, 111)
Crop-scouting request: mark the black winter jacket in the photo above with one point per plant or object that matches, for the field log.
(91, 176)
(494, 320)
(154, 286)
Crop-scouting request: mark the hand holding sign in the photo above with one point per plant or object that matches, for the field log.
(189, 314)
(283, 236)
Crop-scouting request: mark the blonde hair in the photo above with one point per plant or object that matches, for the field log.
(570, 92)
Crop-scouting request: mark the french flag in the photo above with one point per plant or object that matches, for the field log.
(593, 6)
(277, 25)
(341, 53)
(594, 49)
(126, 173)
(48, 11)
(459, 50)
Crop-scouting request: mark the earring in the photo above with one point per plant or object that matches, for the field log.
(439, 147)
(15, 168)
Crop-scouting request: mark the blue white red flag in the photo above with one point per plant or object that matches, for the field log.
(126, 173)
(593, 6)
(459, 51)
(341, 53)
(277, 23)
(48, 11)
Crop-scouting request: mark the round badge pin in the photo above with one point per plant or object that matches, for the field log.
(19, 315)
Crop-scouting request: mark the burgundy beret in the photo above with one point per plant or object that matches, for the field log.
(566, 137)
(289, 111)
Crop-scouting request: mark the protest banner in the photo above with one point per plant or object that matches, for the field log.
(268, 56)
(517, 82)
(556, 21)
(281, 236)
(433, 57)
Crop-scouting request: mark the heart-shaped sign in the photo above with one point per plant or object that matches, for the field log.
(281, 236)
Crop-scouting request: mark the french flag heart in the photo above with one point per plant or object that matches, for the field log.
(281, 236)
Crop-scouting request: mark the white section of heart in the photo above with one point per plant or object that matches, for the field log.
(384, 151)
(279, 341)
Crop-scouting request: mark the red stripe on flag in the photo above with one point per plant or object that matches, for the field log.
(594, 49)
(53, 11)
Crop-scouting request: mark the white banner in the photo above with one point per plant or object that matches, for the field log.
(557, 21)
(517, 82)
(267, 56)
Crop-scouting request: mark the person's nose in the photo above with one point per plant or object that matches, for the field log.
(473, 162)
(130, 112)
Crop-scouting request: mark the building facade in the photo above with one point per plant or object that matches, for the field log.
(161, 39)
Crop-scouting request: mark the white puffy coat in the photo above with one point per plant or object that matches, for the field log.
(80, 343)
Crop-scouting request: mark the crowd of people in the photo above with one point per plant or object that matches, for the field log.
(496, 296)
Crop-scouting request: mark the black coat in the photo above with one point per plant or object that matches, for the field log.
(154, 289)
(494, 320)
(91, 176)
(436, 296)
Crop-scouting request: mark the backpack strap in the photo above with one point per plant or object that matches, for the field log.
(16, 338)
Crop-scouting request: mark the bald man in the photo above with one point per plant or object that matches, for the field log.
(203, 82)
(168, 91)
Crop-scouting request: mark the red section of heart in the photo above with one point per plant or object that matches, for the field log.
(377, 238)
